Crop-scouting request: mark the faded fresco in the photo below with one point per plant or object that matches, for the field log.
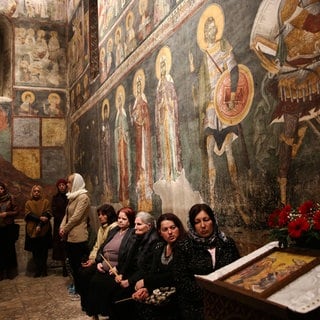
(40, 103)
(27, 161)
(53, 132)
(217, 120)
(52, 166)
(40, 55)
(34, 52)
(194, 101)
(289, 51)
(43, 9)
(5, 129)
(26, 132)
(78, 54)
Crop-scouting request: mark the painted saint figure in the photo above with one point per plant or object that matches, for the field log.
(106, 147)
(141, 120)
(131, 41)
(217, 57)
(166, 120)
(122, 145)
(288, 47)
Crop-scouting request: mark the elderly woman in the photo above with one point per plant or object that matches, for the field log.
(138, 258)
(8, 234)
(205, 250)
(160, 273)
(74, 225)
(38, 229)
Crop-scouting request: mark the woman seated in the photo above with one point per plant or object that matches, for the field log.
(205, 250)
(110, 253)
(138, 259)
(153, 306)
(108, 220)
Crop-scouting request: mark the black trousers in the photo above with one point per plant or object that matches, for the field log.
(76, 253)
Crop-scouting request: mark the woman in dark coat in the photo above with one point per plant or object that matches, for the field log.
(205, 250)
(138, 258)
(112, 252)
(8, 234)
(38, 229)
(58, 206)
(160, 274)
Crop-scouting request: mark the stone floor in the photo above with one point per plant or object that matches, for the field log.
(27, 298)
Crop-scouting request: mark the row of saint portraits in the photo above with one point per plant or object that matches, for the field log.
(117, 38)
(41, 51)
(39, 104)
(216, 57)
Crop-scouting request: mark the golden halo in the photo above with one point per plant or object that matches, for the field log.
(109, 43)
(143, 5)
(102, 53)
(129, 15)
(164, 53)
(105, 106)
(120, 92)
(54, 96)
(139, 74)
(118, 38)
(28, 93)
(216, 12)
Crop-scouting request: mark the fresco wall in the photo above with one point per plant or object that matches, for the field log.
(195, 102)
(33, 138)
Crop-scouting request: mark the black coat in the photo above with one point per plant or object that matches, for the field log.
(193, 258)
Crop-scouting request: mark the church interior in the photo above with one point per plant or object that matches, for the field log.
(159, 105)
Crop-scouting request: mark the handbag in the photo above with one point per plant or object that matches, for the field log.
(160, 296)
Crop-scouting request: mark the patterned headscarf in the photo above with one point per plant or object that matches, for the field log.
(192, 232)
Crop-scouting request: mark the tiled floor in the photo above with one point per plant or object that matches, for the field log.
(27, 298)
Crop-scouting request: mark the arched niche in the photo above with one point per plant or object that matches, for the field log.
(6, 45)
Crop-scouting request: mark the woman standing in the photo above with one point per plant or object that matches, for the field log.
(8, 234)
(170, 230)
(205, 250)
(38, 230)
(74, 228)
(58, 206)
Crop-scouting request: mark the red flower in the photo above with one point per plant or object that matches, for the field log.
(316, 220)
(297, 227)
(305, 207)
(273, 218)
(283, 218)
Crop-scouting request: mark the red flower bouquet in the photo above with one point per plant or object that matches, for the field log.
(296, 226)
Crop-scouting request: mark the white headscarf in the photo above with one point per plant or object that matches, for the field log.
(78, 187)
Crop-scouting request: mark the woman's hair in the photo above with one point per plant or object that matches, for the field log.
(146, 217)
(195, 209)
(3, 185)
(130, 213)
(62, 180)
(172, 217)
(108, 210)
(36, 186)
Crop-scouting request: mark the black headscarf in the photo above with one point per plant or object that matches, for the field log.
(6, 195)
